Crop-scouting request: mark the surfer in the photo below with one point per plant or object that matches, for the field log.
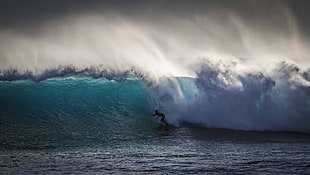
(162, 116)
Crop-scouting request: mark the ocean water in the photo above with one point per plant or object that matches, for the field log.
(79, 123)
(184, 150)
(78, 87)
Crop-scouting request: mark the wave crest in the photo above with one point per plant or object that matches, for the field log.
(61, 71)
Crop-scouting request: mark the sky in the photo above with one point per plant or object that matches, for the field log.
(114, 33)
(19, 12)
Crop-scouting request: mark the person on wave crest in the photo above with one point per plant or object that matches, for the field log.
(162, 116)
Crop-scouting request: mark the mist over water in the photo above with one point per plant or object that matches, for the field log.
(151, 41)
(220, 67)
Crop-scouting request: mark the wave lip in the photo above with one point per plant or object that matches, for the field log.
(62, 71)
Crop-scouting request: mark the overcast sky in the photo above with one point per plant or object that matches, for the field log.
(48, 33)
(26, 13)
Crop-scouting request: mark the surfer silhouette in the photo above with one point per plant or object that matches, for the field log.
(162, 116)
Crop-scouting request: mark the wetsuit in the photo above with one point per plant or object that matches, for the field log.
(162, 116)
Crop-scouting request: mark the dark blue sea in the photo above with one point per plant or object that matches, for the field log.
(80, 124)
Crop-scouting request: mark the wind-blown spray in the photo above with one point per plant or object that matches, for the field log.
(218, 68)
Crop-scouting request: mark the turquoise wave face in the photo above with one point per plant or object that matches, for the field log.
(86, 108)
(48, 113)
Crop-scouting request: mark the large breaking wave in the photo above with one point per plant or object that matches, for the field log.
(99, 76)
(218, 97)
